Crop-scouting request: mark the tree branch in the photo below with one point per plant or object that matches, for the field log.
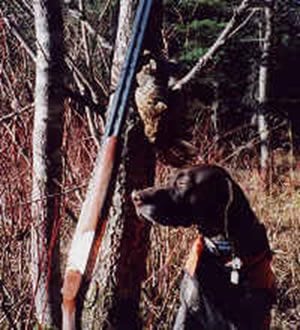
(231, 28)
(69, 61)
(84, 81)
(16, 32)
(80, 16)
(88, 62)
(16, 113)
(22, 150)
(83, 100)
(91, 126)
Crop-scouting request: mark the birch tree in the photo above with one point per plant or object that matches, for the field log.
(47, 161)
(263, 90)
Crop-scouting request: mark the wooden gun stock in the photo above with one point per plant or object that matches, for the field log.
(91, 215)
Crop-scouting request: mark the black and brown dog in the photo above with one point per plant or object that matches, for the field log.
(228, 283)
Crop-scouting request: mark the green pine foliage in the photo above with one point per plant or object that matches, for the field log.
(202, 34)
(194, 25)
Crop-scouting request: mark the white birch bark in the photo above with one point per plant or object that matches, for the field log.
(47, 163)
(122, 39)
(264, 77)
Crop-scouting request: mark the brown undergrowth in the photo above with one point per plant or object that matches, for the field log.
(278, 209)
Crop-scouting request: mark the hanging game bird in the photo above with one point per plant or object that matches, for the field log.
(150, 99)
(161, 122)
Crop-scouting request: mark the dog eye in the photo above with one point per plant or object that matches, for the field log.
(183, 182)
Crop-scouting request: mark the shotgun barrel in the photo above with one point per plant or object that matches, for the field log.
(121, 97)
(92, 210)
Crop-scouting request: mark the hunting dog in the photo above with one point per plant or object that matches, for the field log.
(228, 282)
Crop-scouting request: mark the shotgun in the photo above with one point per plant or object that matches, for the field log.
(93, 207)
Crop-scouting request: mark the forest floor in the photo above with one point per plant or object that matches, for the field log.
(278, 210)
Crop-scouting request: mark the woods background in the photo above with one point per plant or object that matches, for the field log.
(236, 76)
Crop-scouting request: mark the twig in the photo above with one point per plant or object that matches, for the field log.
(70, 63)
(16, 32)
(83, 99)
(105, 7)
(10, 86)
(85, 37)
(6, 305)
(16, 143)
(92, 128)
(72, 66)
(221, 40)
(246, 20)
(16, 113)
(80, 16)
(91, 125)
(65, 192)
(26, 4)
(255, 141)
(88, 62)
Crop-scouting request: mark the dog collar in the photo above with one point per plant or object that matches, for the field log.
(222, 249)
(255, 268)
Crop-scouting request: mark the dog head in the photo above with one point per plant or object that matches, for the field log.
(198, 195)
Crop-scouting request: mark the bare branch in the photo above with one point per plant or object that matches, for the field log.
(88, 62)
(16, 113)
(21, 150)
(83, 100)
(241, 26)
(18, 34)
(72, 66)
(6, 305)
(70, 63)
(91, 125)
(80, 16)
(232, 27)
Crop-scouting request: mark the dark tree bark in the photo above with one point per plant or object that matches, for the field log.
(47, 161)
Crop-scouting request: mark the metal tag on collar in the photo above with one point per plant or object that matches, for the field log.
(235, 264)
(218, 246)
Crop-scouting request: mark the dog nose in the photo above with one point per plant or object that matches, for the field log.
(136, 198)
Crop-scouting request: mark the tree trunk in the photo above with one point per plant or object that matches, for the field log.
(47, 161)
(126, 15)
(263, 91)
(114, 291)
